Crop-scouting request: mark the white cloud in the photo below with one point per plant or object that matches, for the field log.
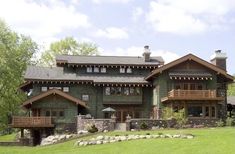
(137, 13)
(112, 33)
(110, 1)
(188, 17)
(42, 21)
(138, 51)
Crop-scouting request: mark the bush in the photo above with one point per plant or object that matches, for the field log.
(143, 125)
(230, 121)
(220, 123)
(92, 129)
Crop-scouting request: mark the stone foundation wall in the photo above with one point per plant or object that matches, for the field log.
(101, 124)
(65, 127)
(136, 123)
(203, 122)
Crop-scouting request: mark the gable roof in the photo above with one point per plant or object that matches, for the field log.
(108, 60)
(194, 58)
(58, 74)
(53, 92)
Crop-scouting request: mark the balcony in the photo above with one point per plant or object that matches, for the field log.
(191, 95)
(31, 122)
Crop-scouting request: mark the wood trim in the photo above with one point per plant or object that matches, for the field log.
(194, 58)
(53, 92)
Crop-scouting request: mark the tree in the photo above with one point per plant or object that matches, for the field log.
(231, 89)
(16, 52)
(67, 46)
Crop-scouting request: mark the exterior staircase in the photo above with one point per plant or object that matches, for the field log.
(120, 127)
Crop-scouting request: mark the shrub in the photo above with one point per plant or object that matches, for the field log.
(147, 133)
(230, 121)
(143, 125)
(220, 123)
(92, 129)
(179, 117)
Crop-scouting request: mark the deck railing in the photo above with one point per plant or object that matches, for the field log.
(190, 94)
(26, 122)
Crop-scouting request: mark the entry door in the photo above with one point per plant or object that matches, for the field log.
(119, 116)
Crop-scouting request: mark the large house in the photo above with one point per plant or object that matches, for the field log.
(136, 86)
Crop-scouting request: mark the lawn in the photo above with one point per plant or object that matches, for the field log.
(207, 141)
(10, 137)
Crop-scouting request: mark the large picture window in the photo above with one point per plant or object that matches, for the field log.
(195, 111)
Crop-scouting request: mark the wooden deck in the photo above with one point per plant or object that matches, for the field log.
(31, 122)
(191, 95)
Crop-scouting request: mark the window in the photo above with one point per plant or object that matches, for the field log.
(199, 87)
(177, 86)
(128, 70)
(89, 69)
(59, 88)
(118, 90)
(192, 86)
(112, 90)
(122, 70)
(132, 90)
(96, 69)
(107, 90)
(137, 91)
(44, 89)
(61, 113)
(207, 111)
(53, 113)
(85, 97)
(212, 111)
(126, 91)
(195, 111)
(65, 89)
(103, 70)
(48, 113)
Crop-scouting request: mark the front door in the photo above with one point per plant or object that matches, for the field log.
(122, 114)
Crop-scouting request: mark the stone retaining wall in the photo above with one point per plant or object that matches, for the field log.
(101, 124)
(136, 123)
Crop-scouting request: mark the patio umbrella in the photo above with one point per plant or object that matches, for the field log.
(108, 109)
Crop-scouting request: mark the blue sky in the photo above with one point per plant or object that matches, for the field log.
(172, 28)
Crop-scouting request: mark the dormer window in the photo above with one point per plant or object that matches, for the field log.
(96, 69)
(128, 70)
(122, 70)
(89, 69)
(43, 89)
(103, 69)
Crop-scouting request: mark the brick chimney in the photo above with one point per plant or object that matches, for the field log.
(146, 53)
(219, 59)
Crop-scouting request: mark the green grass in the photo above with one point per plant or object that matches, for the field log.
(10, 137)
(207, 141)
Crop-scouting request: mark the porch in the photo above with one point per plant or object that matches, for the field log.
(31, 122)
(191, 95)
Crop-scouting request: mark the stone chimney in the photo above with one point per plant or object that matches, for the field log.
(219, 59)
(146, 53)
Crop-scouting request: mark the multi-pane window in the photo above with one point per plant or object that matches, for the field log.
(44, 89)
(132, 90)
(122, 70)
(85, 97)
(122, 91)
(58, 88)
(118, 90)
(61, 113)
(89, 69)
(212, 111)
(128, 70)
(48, 113)
(107, 90)
(195, 111)
(103, 69)
(126, 91)
(65, 89)
(96, 69)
